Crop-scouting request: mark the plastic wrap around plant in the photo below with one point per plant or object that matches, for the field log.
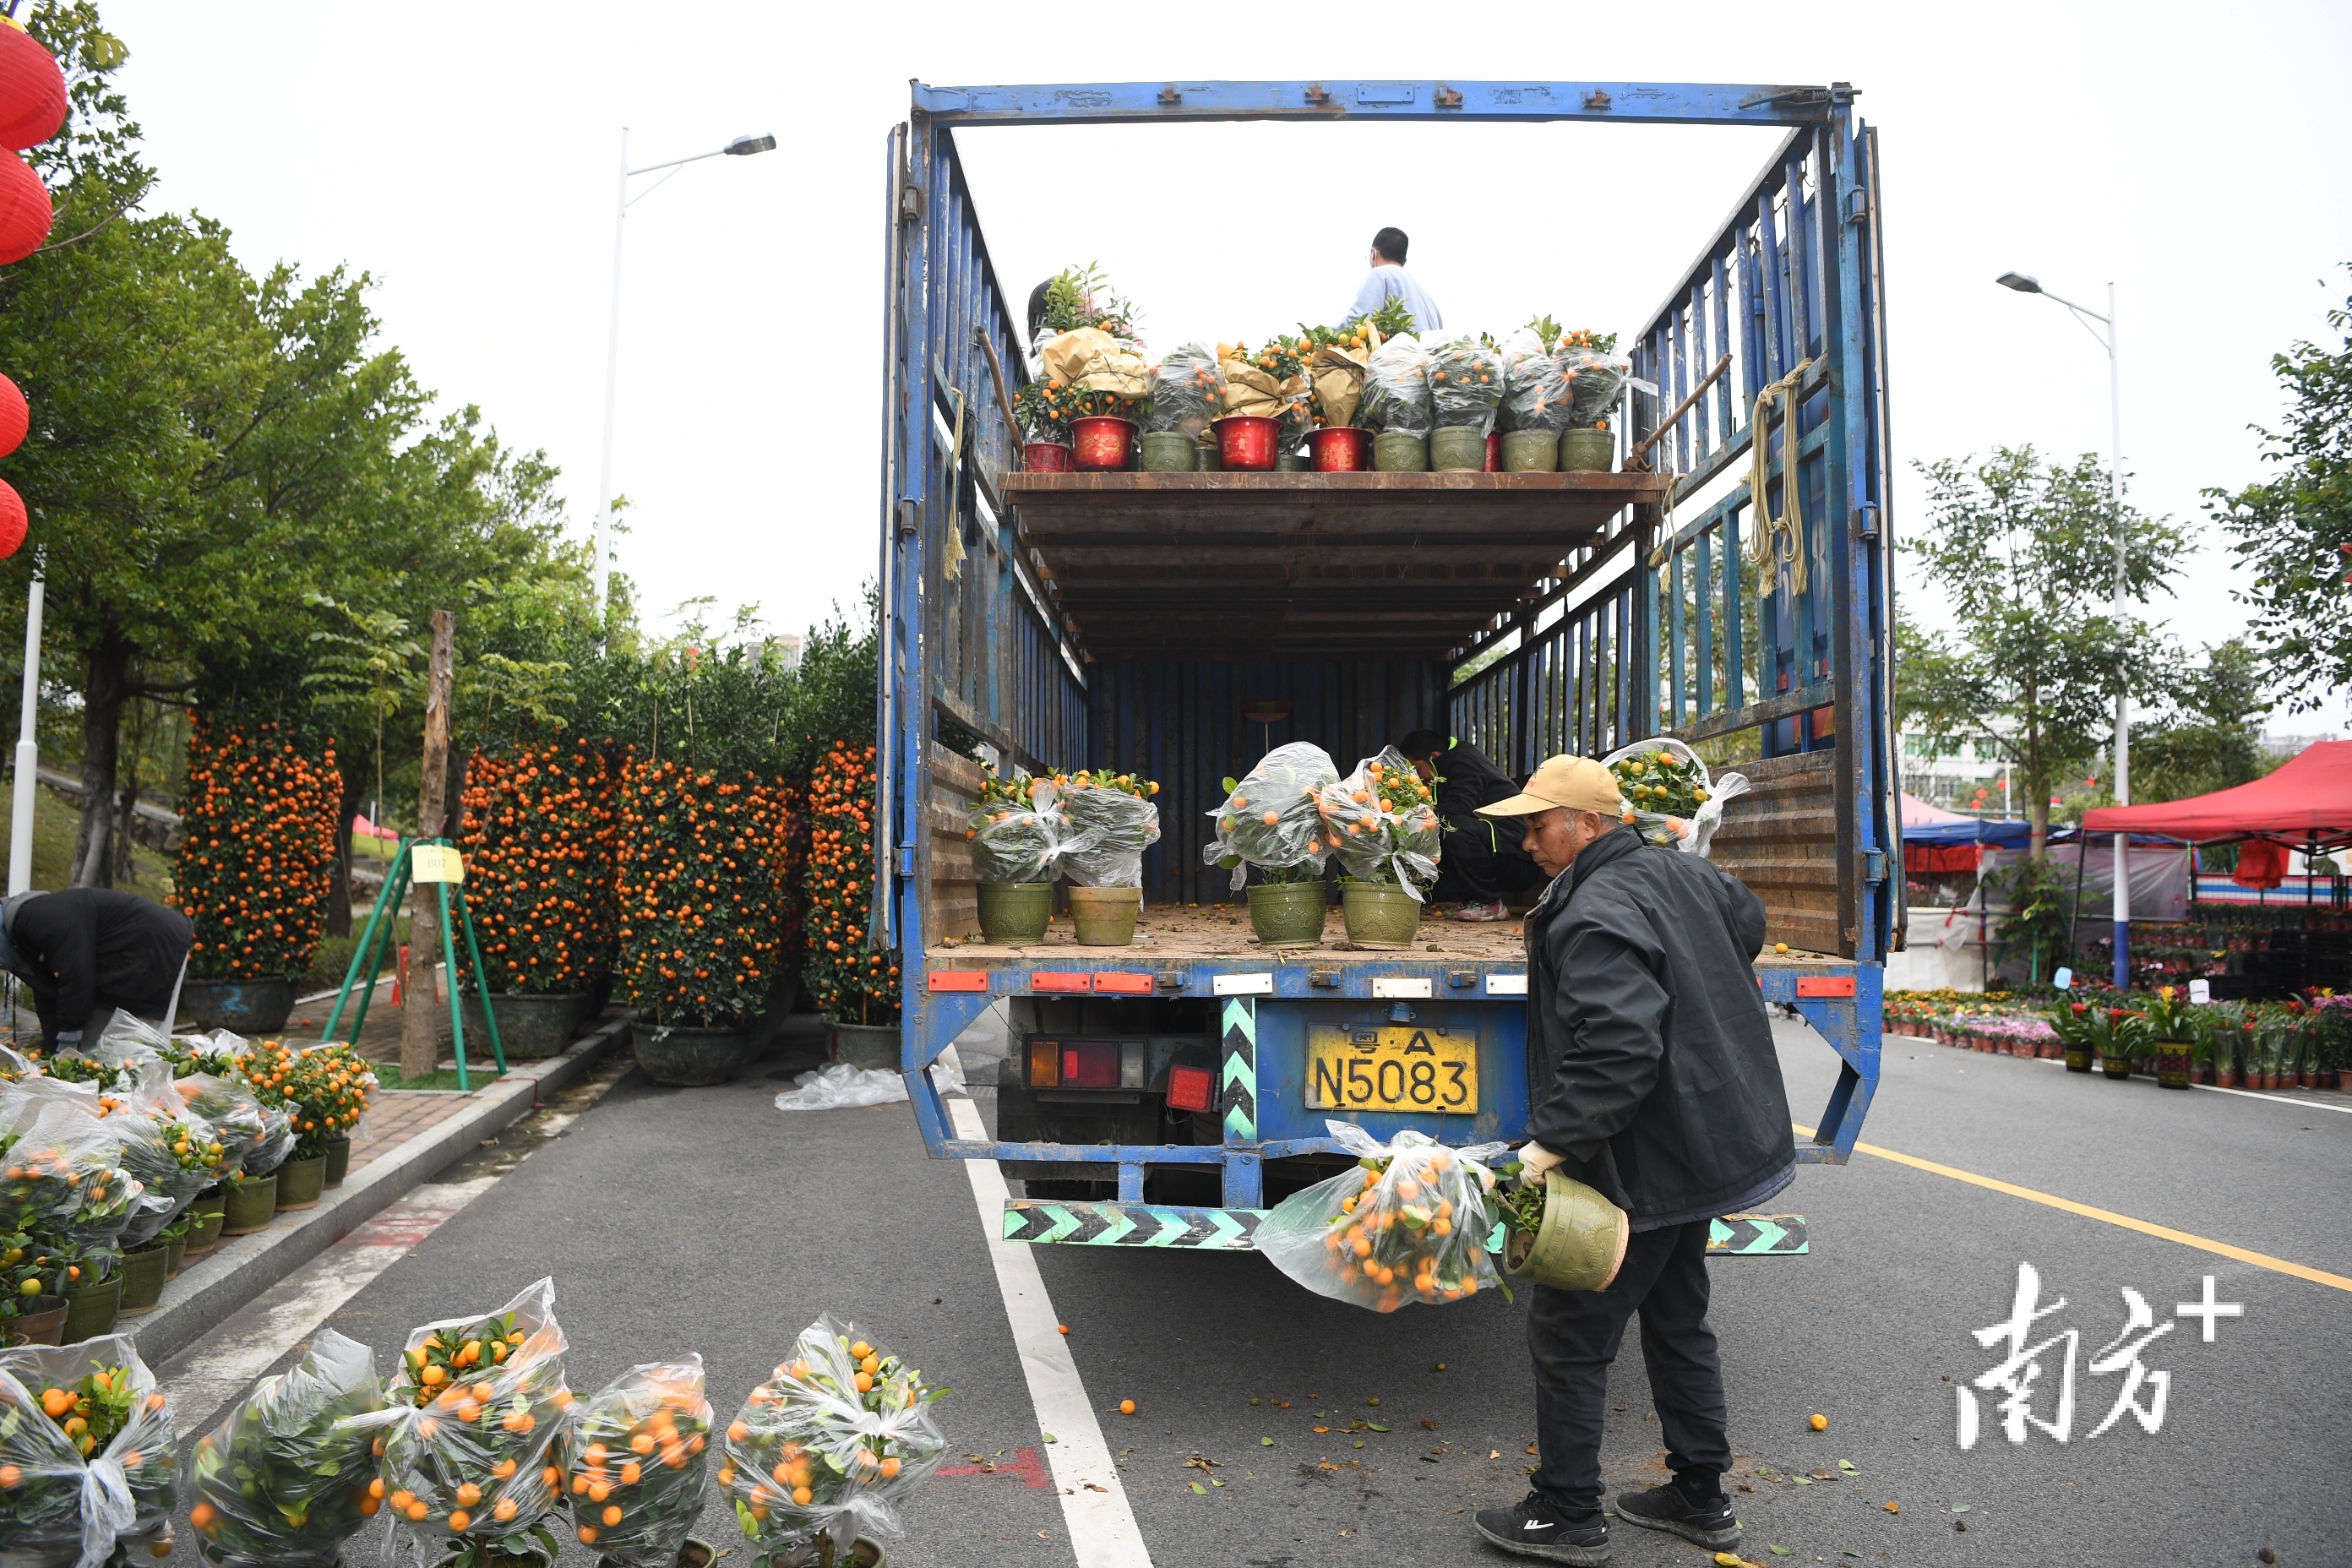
(641, 1451)
(1396, 388)
(1273, 818)
(1383, 821)
(1408, 1223)
(67, 1170)
(247, 1129)
(1595, 382)
(829, 1444)
(470, 1450)
(1016, 830)
(169, 1148)
(1535, 391)
(1188, 392)
(1669, 797)
(280, 1483)
(1465, 385)
(86, 1455)
(1107, 827)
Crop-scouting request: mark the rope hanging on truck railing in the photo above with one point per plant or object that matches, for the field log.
(1777, 540)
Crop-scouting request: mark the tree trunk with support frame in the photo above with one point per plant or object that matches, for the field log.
(420, 1024)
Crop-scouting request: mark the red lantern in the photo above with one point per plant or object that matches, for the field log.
(16, 417)
(12, 519)
(25, 211)
(32, 91)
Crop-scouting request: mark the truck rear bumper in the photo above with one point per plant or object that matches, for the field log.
(1040, 1221)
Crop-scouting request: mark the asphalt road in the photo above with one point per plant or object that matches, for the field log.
(705, 1220)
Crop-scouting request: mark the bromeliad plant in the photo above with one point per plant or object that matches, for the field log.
(253, 870)
(852, 982)
(702, 896)
(539, 841)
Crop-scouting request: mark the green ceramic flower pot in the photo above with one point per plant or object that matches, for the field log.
(176, 1253)
(864, 1553)
(300, 1182)
(142, 1279)
(44, 1323)
(1294, 463)
(533, 1025)
(1169, 452)
(1014, 914)
(1579, 1245)
(1379, 914)
(1400, 452)
(1208, 454)
(1289, 914)
(1106, 916)
(206, 1233)
(686, 1056)
(248, 1205)
(1531, 451)
(1587, 451)
(867, 1045)
(1457, 449)
(92, 1310)
(339, 1162)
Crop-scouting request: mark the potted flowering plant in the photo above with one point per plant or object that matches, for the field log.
(1273, 820)
(1382, 820)
(1042, 416)
(1015, 835)
(1108, 822)
(1596, 375)
(1267, 397)
(1088, 348)
(1466, 387)
(253, 869)
(2176, 1036)
(538, 839)
(280, 1480)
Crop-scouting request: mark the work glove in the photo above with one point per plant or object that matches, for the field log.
(1535, 1160)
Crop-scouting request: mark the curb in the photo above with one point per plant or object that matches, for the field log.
(241, 1268)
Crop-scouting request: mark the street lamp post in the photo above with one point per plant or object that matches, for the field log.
(2026, 285)
(28, 751)
(741, 147)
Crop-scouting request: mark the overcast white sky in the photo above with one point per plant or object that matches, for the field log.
(465, 157)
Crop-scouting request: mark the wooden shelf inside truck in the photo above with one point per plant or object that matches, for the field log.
(1255, 565)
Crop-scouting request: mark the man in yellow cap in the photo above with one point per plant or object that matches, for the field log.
(1651, 1077)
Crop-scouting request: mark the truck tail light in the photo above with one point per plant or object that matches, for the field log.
(1190, 1088)
(1130, 1064)
(1090, 1064)
(1044, 1064)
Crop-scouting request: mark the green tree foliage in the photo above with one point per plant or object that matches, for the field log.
(2211, 738)
(2024, 555)
(2292, 529)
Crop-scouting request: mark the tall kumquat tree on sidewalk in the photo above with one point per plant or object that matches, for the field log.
(260, 846)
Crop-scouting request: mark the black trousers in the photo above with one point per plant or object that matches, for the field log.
(1479, 865)
(1574, 1335)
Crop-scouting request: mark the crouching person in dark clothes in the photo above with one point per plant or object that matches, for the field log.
(1481, 860)
(86, 952)
(1651, 1077)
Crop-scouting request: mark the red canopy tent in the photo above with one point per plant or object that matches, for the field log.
(2305, 803)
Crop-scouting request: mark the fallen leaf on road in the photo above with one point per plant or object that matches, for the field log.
(1050, 1438)
(1319, 1430)
(1849, 1466)
(1494, 1453)
(1802, 1480)
(1373, 1399)
(1824, 1475)
(1202, 1462)
(1427, 1424)
(1726, 1559)
(1746, 1487)
(1360, 1442)
(1200, 1488)
(1092, 1487)
(1531, 1447)
(1375, 1426)
(1265, 1442)
(1893, 1507)
(1326, 1465)
(1781, 1552)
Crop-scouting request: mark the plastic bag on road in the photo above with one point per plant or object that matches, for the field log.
(1535, 391)
(1188, 392)
(841, 1086)
(1670, 799)
(1409, 1224)
(471, 1449)
(1465, 385)
(830, 1444)
(1396, 388)
(86, 1455)
(1111, 822)
(1384, 820)
(1272, 819)
(278, 1483)
(640, 1451)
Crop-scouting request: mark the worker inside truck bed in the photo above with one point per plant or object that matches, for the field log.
(1482, 860)
(1388, 279)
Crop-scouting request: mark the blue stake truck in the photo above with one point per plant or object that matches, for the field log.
(1179, 624)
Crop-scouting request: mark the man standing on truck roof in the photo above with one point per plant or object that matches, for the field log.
(1652, 1078)
(1480, 859)
(1389, 280)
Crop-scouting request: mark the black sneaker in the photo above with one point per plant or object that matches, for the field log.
(1534, 1527)
(1669, 1508)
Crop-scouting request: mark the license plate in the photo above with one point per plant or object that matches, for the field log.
(1396, 1067)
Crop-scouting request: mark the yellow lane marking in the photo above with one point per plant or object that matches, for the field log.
(2161, 1232)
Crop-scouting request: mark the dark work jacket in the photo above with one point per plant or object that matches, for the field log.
(1466, 780)
(81, 945)
(1651, 1069)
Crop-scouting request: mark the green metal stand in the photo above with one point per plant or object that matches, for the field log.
(379, 938)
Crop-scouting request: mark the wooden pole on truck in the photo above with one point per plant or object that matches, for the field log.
(420, 1031)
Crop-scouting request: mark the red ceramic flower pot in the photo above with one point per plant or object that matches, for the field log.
(1045, 458)
(1246, 441)
(1339, 450)
(1493, 451)
(1103, 442)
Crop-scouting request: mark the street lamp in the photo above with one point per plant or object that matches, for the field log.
(741, 147)
(2026, 285)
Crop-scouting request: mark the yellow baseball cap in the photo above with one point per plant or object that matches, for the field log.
(1575, 784)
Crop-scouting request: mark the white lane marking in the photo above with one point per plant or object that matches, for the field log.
(1093, 1505)
(292, 1310)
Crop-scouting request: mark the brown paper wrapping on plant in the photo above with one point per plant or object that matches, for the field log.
(1253, 393)
(1091, 359)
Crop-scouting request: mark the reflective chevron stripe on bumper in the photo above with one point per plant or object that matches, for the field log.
(1759, 1235)
(1130, 1225)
